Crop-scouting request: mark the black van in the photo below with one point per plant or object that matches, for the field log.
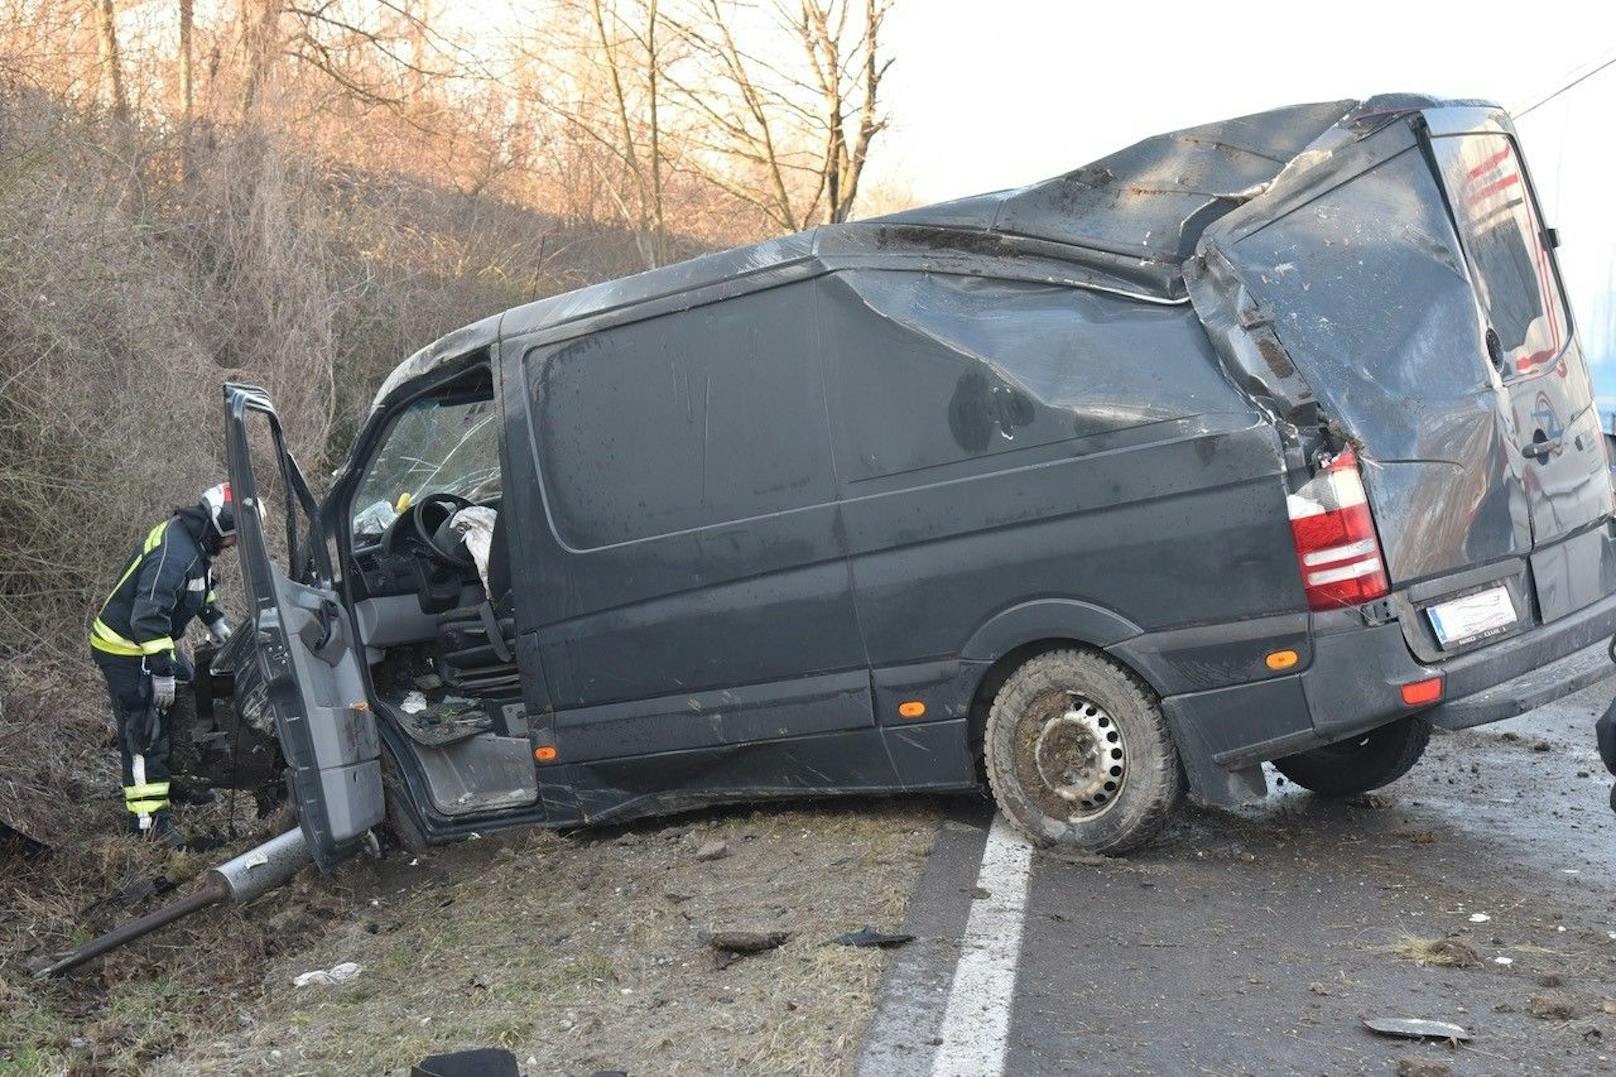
(1265, 440)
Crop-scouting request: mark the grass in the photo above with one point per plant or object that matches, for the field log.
(578, 951)
(1446, 952)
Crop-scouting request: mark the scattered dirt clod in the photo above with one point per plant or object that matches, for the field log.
(1451, 953)
(1552, 1006)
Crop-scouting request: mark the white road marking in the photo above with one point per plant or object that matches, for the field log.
(976, 1023)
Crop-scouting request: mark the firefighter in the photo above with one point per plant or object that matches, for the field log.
(168, 581)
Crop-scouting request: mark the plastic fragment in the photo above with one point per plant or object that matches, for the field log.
(331, 977)
(864, 936)
(1415, 1028)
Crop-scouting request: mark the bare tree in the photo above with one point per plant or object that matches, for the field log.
(789, 135)
(595, 69)
(822, 29)
(187, 86)
(111, 62)
(260, 22)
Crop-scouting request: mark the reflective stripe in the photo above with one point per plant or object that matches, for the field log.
(146, 807)
(103, 638)
(150, 789)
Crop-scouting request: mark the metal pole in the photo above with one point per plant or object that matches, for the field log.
(213, 891)
(240, 879)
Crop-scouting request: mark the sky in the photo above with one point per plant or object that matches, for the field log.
(996, 93)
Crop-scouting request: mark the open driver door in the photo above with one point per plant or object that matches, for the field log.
(306, 669)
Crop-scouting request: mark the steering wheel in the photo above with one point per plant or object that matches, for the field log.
(421, 523)
(429, 526)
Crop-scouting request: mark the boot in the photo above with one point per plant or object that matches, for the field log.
(162, 830)
(190, 792)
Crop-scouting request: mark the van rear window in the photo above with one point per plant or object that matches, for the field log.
(1503, 239)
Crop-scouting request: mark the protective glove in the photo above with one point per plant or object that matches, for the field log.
(219, 631)
(163, 691)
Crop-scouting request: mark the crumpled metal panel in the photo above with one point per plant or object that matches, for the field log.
(1341, 298)
(1123, 224)
(444, 350)
(1152, 199)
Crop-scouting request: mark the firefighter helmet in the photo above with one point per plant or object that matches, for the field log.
(221, 509)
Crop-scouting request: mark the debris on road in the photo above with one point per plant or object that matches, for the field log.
(477, 1062)
(1448, 952)
(1415, 1028)
(865, 936)
(1552, 1006)
(331, 977)
(1479, 918)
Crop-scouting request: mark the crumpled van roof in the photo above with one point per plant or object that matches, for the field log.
(1125, 224)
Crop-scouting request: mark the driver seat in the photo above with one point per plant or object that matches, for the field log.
(476, 645)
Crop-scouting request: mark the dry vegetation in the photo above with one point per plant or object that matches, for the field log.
(300, 195)
(578, 953)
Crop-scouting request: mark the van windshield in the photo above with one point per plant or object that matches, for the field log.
(445, 445)
(1503, 239)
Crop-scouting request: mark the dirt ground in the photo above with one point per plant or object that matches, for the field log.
(578, 953)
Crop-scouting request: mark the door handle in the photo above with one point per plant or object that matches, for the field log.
(1540, 446)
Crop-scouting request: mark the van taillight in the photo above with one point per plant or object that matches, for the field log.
(1335, 537)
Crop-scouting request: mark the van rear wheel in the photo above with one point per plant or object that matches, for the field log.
(1078, 754)
(1366, 762)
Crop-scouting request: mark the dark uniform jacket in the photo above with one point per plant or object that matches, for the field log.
(169, 581)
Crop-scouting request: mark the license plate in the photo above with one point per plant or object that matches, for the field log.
(1480, 614)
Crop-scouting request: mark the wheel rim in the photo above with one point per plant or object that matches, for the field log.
(1078, 755)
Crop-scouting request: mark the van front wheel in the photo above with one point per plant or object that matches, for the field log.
(1366, 762)
(1078, 754)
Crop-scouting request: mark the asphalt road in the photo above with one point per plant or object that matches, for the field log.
(1254, 942)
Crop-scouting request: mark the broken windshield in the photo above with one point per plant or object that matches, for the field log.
(443, 445)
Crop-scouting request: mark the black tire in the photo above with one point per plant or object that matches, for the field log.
(1366, 762)
(1078, 754)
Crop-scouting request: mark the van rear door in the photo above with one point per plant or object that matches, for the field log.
(1529, 341)
(306, 668)
(1400, 290)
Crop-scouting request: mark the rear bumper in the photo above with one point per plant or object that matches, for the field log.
(1528, 690)
(1353, 685)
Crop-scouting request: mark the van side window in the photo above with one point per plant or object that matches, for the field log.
(1502, 236)
(690, 420)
